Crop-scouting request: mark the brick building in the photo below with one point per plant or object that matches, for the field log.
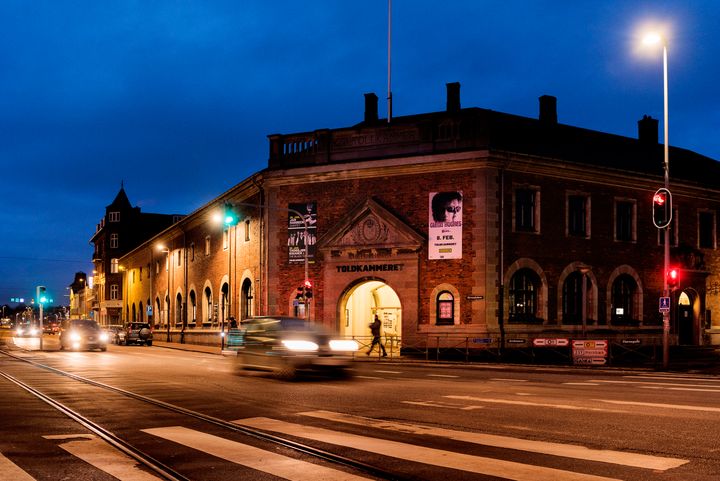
(461, 226)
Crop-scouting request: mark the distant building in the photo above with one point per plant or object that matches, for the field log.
(80, 292)
(465, 227)
(121, 229)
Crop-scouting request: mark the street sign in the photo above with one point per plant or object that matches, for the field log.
(482, 340)
(664, 304)
(590, 352)
(554, 342)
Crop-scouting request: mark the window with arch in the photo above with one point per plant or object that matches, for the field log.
(208, 317)
(523, 296)
(225, 302)
(624, 291)
(445, 304)
(572, 301)
(178, 309)
(193, 307)
(134, 313)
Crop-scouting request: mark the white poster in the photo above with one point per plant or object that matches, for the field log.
(445, 225)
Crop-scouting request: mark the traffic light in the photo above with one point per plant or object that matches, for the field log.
(673, 277)
(41, 297)
(230, 216)
(308, 290)
(662, 208)
(299, 293)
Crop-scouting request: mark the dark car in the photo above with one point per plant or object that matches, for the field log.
(51, 327)
(77, 334)
(138, 333)
(286, 345)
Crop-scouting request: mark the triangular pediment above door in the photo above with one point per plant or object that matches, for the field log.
(372, 228)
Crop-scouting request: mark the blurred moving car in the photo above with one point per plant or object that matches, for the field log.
(286, 345)
(138, 333)
(116, 333)
(79, 334)
(26, 329)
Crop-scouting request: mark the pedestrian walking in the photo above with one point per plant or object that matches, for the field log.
(375, 331)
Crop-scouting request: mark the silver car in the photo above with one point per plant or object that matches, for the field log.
(286, 345)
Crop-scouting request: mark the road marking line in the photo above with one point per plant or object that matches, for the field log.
(543, 447)
(581, 384)
(100, 454)
(684, 407)
(528, 403)
(389, 372)
(420, 454)
(250, 456)
(443, 405)
(507, 379)
(11, 471)
(675, 378)
(715, 388)
(369, 377)
(442, 375)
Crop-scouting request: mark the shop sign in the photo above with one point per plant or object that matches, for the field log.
(516, 341)
(553, 342)
(590, 352)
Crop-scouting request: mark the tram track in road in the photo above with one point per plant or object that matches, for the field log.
(161, 469)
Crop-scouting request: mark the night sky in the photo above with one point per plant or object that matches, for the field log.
(176, 98)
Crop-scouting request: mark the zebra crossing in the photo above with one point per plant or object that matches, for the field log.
(94, 451)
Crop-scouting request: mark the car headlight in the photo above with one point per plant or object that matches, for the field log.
(19, 331)
(74, 336)
(33, 331)
(344, 345)
(104, 337)
(299, 345)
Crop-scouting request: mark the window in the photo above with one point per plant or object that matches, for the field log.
(523, 296)
(192, 251)
(207, 245)
(114, 292)
(247, 230)
(114, 241)
(114, 216)
(157, 267)
(208, 318)
(193, 307)
(178, 257)
(114, 266)
(625, 220)
(706, 230)
(226, 239)
(623, 300)
(577, 215)
(526, 212)
(572, 308)
(132, 277)
(445, 309)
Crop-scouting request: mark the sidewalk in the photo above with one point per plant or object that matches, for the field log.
(709, 365)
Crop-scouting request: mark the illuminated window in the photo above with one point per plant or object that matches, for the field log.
(114, 292)
(114, 241)
(522, 298)
(445, 309)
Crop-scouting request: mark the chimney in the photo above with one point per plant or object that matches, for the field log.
(548, 109)
(453, 96)
(648, 130)
(371, 107)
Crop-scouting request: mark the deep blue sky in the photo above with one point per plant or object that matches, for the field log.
(175, 98)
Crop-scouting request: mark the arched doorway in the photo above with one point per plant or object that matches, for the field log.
(686, 318)
(246, 299)
(359, 304)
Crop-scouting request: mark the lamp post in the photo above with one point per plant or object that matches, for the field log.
(167, 273)
(654, 39)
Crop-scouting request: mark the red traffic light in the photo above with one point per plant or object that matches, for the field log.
(673, 277)
(662, 208)
(659, 198)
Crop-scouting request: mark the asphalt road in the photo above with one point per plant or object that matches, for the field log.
(420, 422)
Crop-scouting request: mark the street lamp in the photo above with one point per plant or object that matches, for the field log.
(167, 273)
(654, 39)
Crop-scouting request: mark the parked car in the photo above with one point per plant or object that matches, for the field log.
(116, 333)
(51, 327)
(138, 333)
(79, 334)
(286, 345)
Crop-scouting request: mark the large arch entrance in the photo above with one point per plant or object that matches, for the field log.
(359, 304)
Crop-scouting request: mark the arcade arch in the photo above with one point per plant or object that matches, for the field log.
(361, 301)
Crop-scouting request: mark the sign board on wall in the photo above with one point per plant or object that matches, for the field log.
(590, 352)
(445, 225)
(298, 241)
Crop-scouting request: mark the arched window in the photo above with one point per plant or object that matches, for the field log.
(225, 302)
(523, 296)
(141, 313)
(134, 313)
(208, 314)
(178, 310)
(572, 308)
(193, 308)
(158, 316)
(624, 290)
(246, 300)
(445, 309)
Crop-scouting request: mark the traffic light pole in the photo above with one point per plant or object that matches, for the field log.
(666, 292)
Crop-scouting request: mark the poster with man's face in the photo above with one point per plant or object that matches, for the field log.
(445, 225)
(298, 240)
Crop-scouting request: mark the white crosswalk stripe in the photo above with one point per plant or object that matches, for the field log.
(252, 457)
(420, 454)
(10, 471)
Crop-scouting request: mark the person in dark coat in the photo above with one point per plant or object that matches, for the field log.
(375, 330)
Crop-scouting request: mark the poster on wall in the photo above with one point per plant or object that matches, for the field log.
(297, 240)
(445, 225)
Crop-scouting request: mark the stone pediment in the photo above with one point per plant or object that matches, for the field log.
(370, 229)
